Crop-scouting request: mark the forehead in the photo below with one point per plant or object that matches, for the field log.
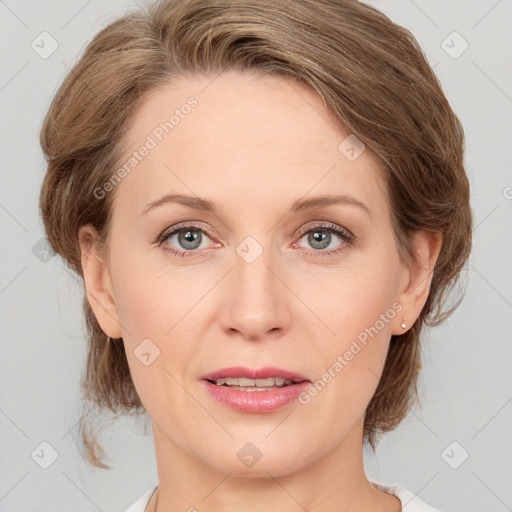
(229, 135)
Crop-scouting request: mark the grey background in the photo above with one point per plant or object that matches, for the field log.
(466, 385)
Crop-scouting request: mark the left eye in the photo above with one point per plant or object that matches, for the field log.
(320, 237)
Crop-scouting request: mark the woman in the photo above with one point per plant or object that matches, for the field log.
(267, 203)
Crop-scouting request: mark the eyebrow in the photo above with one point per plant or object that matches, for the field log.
(199, 203)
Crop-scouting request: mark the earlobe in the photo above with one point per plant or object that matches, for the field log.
(417, 277)
(98, 284)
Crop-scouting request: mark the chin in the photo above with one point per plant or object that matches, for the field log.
(257, 458)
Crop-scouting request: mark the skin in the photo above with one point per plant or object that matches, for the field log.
(254, 145)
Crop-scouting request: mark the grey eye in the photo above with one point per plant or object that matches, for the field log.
(190, 239)
(319, 239)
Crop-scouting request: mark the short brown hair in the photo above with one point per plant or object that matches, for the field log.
(371, 74)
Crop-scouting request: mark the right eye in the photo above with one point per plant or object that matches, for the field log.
(188, 240)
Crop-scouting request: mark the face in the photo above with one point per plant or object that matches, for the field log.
(266, 276)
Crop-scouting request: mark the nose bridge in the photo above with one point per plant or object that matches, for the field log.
(256, 302)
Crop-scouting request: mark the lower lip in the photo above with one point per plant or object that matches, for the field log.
(256, 401)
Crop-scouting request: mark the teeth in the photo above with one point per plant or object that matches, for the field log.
(260, 383)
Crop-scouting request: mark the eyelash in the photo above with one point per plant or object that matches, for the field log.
(342, 233)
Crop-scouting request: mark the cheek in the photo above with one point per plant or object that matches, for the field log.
(353, 299)
(157, 310)
(357, 305)
(151, 301)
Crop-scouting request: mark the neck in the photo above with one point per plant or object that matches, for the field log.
(334, 481)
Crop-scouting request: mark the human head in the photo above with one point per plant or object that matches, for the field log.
(372, 77)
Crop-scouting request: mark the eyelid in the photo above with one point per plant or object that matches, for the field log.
(172, 230)
(347, 239)
(343, 233)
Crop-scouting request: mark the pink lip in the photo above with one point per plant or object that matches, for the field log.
(252, 373)
(255, 401)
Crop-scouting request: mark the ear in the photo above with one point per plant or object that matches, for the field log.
(416, 278)
(98, 283)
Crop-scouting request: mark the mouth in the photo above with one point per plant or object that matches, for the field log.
(267, 377)
(245, 384)
(255, 390)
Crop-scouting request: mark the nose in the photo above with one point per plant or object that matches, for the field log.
(257, 301)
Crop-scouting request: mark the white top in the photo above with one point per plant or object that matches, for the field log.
(410, 502)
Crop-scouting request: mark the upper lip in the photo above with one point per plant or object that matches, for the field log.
(254, 373)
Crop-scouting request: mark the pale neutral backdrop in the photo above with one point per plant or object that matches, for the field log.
(454, 452)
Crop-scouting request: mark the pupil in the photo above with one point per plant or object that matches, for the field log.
(321, 237)
(188, 239)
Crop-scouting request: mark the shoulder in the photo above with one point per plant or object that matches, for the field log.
(143, 501)
(410, 502)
